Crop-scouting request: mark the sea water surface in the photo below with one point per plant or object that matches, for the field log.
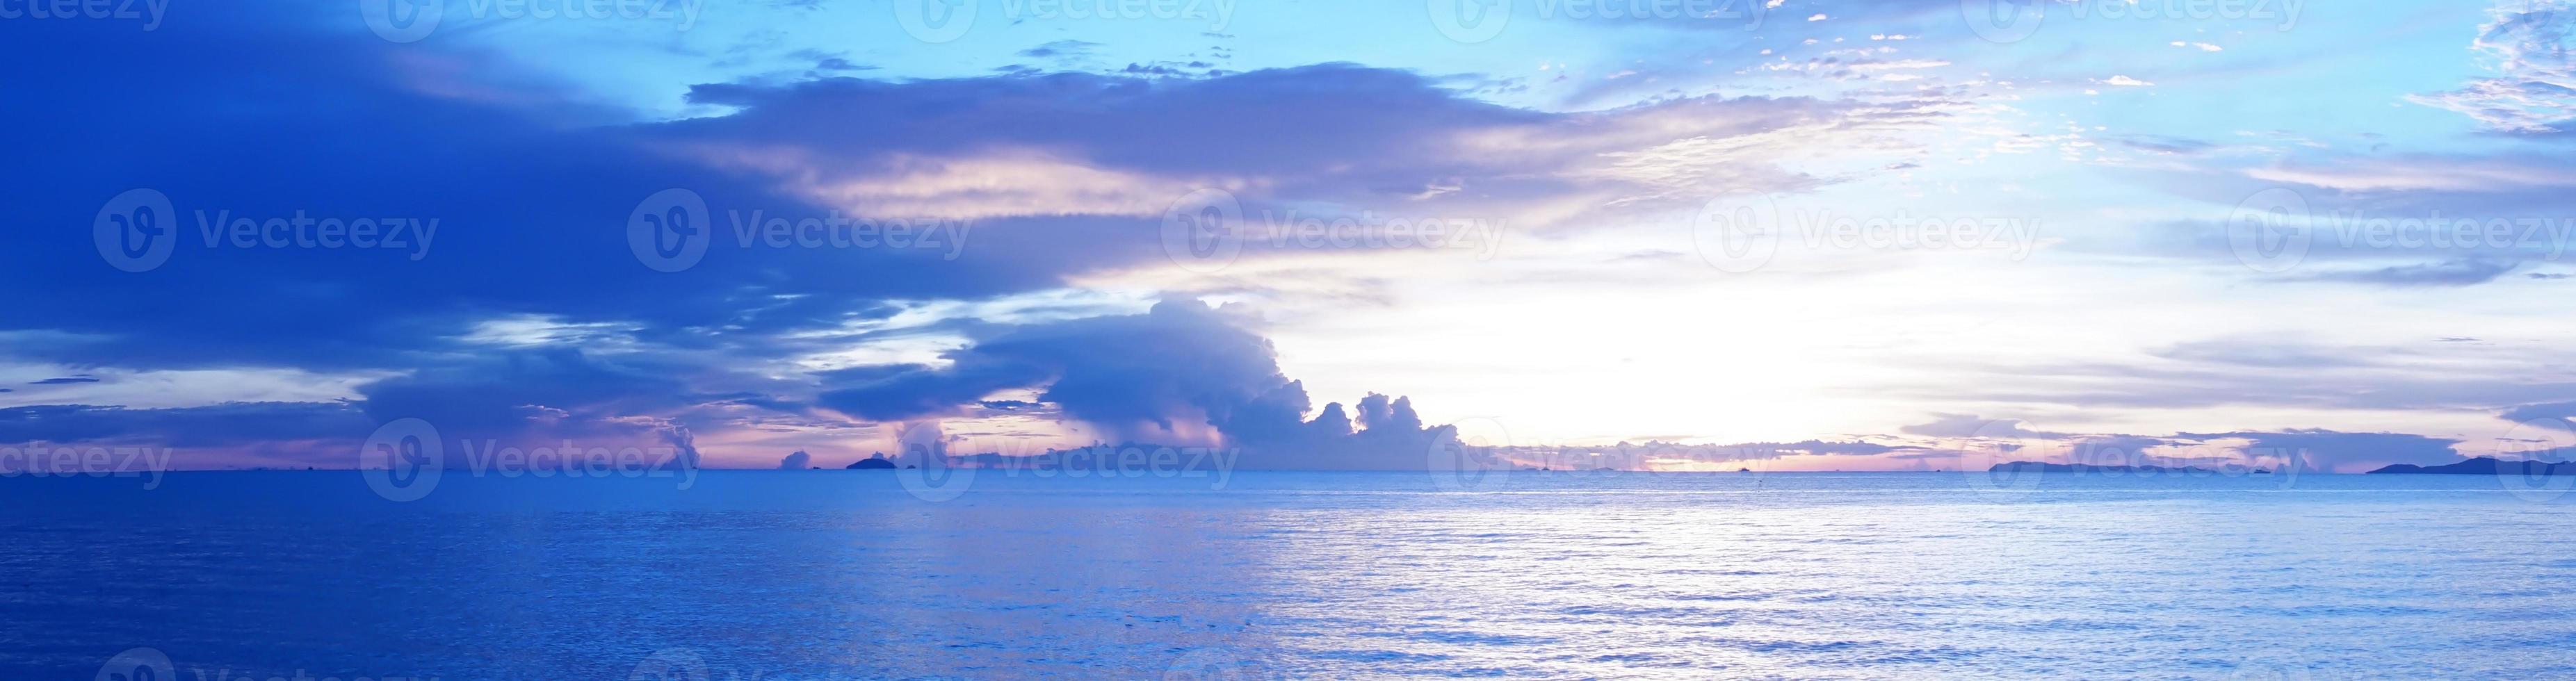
(850, 574)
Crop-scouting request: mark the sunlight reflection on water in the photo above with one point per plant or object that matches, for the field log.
(817, 574)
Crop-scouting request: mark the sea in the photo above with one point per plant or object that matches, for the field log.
(841, 574)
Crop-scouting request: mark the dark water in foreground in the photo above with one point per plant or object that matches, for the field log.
(844, 574)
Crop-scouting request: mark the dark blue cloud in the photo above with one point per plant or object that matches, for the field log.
(257, 114)
(192, 427)
(531, 189)
(1181, 373)
(2320, 449)
(2546, 415)
(1178, 366)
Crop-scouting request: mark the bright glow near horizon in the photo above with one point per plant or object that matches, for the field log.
(1845, 223)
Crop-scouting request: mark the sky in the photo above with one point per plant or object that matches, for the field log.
(1785, 234)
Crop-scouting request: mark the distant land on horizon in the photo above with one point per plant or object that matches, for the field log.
(2046, 467)
(2484, 465)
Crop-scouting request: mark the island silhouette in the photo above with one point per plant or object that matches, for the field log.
(2046, 467)
(877, 462)
(2486, 465)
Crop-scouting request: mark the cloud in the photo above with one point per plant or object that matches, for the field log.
(541, 185)
(527, 316)
(796, 461)
(1969, 425)
(2273, 373)
(2462, 272)
(2423, 172)
(2165, 145)
(1976, 442)
(1324, 135)
(2267, 354)
(1182, 373)
(2546, 415)
(2534, 91)
(2419, 219)
(540, 398)
(2327, 450)
(213, 436)
(527, 319)
(1163, 374)
(1068, 49)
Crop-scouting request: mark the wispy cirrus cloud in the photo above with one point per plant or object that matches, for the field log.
(2534, 89)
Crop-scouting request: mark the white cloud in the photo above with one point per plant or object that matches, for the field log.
(2535, 86)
